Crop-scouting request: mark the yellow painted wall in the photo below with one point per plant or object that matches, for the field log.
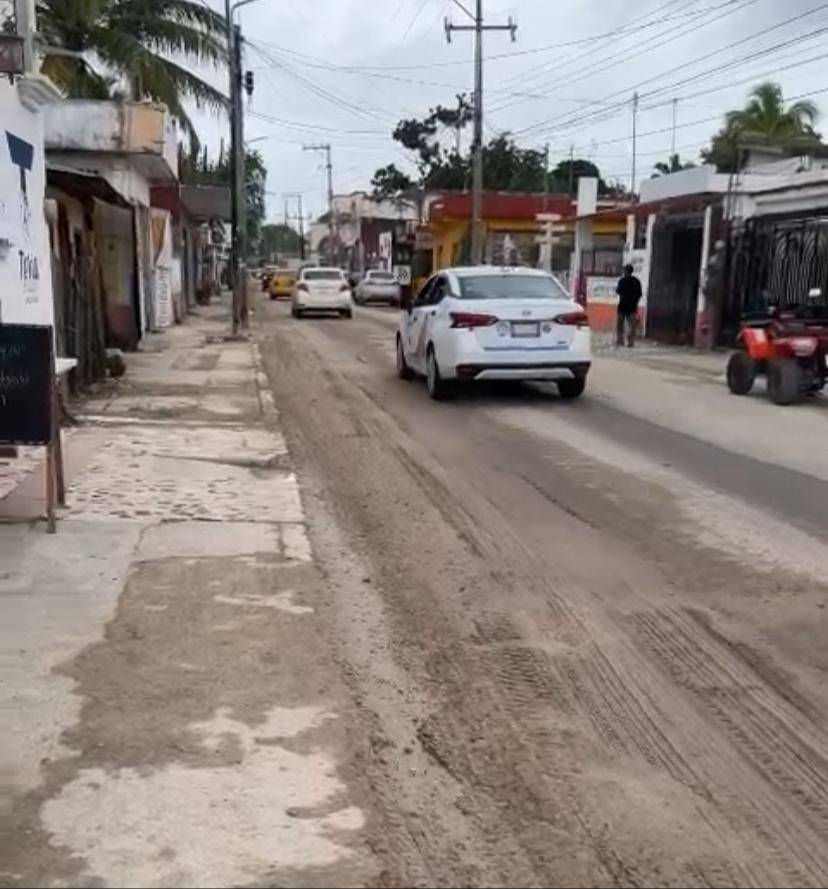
(448, 234)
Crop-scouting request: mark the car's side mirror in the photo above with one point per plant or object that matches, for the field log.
(406, 302)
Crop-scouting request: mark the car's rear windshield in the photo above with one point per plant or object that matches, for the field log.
(380, 276)
(322, 275)
(510, 286)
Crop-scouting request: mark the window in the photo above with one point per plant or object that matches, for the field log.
(438, 291)
(511, 286)
(322, 275)
(424, 295)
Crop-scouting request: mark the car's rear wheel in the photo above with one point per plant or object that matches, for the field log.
(784, 381)
(741, 373)
(438, 388)
(347, 313)
(574, 388)
(404, 372)
(297, 313)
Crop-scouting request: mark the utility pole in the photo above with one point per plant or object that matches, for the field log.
(477, 144)
(634, 145)
(571, 170)
(546, 178)
(298, 196)
(236, 169)
(673, 136)
(332, 220)
(238, 250)
(301, 228)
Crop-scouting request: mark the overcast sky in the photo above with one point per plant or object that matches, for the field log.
(344, 71)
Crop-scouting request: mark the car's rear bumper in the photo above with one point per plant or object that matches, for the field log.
(280, 292)
(317, 304)
(380, 296)
(536, 371)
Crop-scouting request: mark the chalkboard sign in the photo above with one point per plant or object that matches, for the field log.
(26, 384)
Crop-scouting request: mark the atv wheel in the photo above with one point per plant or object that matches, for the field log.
(741, 373)
(784, 381)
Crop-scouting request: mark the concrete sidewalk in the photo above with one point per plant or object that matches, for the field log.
(168, 712)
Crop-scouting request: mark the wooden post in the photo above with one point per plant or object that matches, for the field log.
(53, 479)
(51, 522)
(57, 440)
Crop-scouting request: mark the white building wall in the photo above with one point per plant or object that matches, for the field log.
(25, 267)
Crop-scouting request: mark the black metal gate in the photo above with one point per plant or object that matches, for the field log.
(674, 279)
(774, 262)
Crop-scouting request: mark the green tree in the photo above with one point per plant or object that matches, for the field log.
(565, 176)
(674, 165)
(765, 120)
(390, 181)
(141, 46)
(280, 240)
(197, 169)
(506, 167)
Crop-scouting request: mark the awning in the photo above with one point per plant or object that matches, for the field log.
(206, 202)
(81, 184)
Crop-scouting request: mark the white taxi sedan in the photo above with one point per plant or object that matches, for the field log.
(322, 290)
(490, 323)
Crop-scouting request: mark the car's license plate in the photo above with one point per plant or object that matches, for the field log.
(526, 328)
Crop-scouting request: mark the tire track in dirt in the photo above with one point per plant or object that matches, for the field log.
(543, 706)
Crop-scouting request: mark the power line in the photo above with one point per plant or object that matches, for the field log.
(618, 58)
(562, 64)
(626, 90)
(628, 28)
(413, 21)
(340, 100)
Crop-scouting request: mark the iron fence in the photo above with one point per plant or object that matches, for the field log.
(776, 262)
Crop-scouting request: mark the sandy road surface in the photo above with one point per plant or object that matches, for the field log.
(589, 650)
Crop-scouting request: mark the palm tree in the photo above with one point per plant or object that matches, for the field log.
(92, 46)
(673, 165)
(766, 120)
(765, 116)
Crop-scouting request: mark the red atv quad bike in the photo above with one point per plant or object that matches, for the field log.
(789, 345)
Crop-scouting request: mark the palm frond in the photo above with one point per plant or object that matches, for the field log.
(185, 12)
(75, 78)
(170, 37)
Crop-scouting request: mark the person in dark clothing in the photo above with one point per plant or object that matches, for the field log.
(629, 295)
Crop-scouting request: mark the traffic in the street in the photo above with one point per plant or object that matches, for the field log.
(412, 444)
(608, 612)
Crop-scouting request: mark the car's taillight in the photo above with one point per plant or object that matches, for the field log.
(302, 286)
(468, 320)
(573, 319)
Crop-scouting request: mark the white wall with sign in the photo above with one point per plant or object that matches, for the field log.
(25, 269)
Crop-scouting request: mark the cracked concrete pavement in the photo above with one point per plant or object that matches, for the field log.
(169, 716)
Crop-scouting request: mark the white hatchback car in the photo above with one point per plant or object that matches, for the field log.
(322, 290)
(490, 323)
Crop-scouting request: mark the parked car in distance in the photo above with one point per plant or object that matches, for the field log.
(378, 286)
(282, 282)
(489, 323)
(322, 290)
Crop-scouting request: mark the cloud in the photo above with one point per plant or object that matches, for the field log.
(312, 67)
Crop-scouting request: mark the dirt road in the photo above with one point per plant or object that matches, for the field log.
(587, 649)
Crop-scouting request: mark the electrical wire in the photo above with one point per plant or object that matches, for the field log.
(561, 120)
(618, 58)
